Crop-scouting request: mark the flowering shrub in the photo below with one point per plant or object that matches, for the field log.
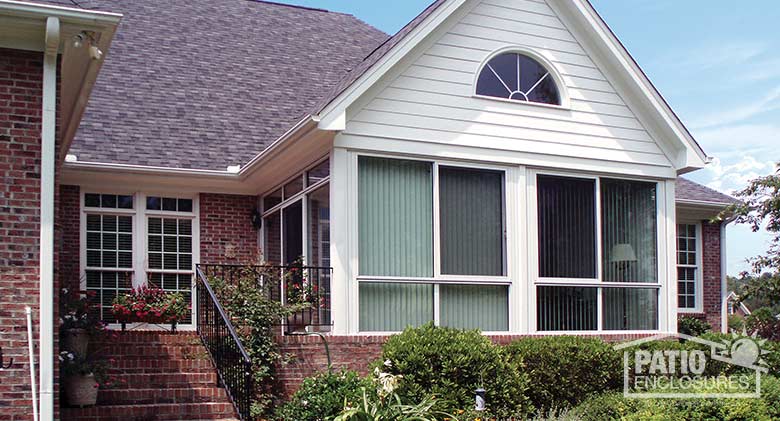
(301, 289)
(75, 311)
(149, 305)
(324, 396)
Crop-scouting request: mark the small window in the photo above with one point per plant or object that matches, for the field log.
(168, 204)
(518, 77)
(687, 267)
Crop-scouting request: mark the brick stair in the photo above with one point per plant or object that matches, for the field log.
(159, 376)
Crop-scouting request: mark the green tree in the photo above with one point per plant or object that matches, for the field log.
(759, 208)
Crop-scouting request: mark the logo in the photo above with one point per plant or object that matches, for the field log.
(683, 366)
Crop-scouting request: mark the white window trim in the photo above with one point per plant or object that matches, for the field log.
(533, 259)
(140, 226)
(699, 281)
(563, 91)
(510, 221)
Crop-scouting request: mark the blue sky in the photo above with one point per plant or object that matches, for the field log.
(716, 62)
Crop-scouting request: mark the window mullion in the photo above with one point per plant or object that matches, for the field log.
(599, 257)
(436, 225)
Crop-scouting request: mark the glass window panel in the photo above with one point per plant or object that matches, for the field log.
(93, 258)
(472, 221)
(125, 242)
(566, 308)
(155, 225)
(319, 227)
(293, 232)
(567, 227)
(630, 308)
(318, 173)
(293, 187)
(185, 205)
(185, 244)
(185, 261)
(185, 227)
(125, 202)
(155, 261)
(93, 240)
(484, 307)
(272, 231)
(108, 201)
(170, 226)
(391, 307)
(153, 203)
(125, 224)
(109, 241)
(170, 261)
(629, 231)
(169, 204)
(125, 259)
(272, 199)
(92, 200)
(395, 221)
(93, 223)
(170, 244)
(518, 77)
(109, 223)
(109, 259)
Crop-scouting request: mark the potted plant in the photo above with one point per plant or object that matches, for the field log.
(82, 377)
(303, 292)
(150, 305)
(77, 322)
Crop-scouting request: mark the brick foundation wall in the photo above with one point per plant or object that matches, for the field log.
(711, 272)
(21, 85)
(226, 232)
(354, 352)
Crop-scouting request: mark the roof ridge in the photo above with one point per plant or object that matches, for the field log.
(296, 6)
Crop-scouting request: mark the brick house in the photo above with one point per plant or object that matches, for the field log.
(496, 164)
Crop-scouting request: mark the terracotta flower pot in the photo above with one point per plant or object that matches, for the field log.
(76, 341)
(81, 390)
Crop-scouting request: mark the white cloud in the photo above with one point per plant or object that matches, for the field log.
(730, 176)
(770, 102)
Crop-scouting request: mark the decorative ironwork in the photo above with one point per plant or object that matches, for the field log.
(293, 284)
(225, 349)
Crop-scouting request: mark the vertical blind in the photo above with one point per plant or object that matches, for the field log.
(391, 307)
(567, 227)
(630, 309)
(472, 222)
(629, 219)
(395, 227)
(293, 232)
(566, 308)
(484, 307)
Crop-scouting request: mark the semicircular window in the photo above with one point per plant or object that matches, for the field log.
(517, 77)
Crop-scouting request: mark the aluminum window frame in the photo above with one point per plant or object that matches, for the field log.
(698, 267)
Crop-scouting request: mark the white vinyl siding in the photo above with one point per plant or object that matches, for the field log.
(432, 99)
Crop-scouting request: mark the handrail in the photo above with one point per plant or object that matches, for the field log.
(234, 366)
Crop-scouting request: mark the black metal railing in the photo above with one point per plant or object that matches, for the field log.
(224, 346)
(306, 287)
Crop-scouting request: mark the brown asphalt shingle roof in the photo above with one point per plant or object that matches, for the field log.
(689, 190)
(204, 84)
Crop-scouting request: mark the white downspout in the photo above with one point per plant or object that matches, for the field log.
(48, 127)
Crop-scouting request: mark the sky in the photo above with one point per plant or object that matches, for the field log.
(716, 62)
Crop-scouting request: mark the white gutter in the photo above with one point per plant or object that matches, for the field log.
(48, 124)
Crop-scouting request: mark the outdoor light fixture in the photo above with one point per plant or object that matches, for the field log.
(479, 399)
(87, 37)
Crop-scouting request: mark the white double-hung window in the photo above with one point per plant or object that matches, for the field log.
(596, 260)
(431, 245)
(688, 267)
(134, 239)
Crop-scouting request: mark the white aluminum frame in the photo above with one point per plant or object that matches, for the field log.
(140, 215)
(533, 258)
(438, 278)
(699, 267)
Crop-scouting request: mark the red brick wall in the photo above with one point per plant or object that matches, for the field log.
(21, 86)
(711, 272)
(68, 236)
(350, 352)
(226, 232)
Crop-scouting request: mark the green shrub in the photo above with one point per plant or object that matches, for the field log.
(604, 407)
(692, 326)
(450, 364)
(564, 370)
(323, 396)
(736, 323)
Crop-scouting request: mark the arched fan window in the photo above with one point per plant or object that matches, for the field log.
(518, 77)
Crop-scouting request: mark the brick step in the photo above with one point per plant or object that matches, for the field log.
(152, 350)
(191, 411)
(149, 337)
(162, 395)
(165, 380)
(146, 365)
